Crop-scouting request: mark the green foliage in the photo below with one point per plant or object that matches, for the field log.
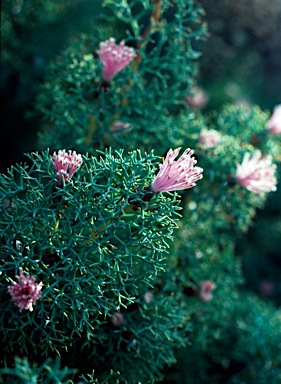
(122, 269)
(233, 205)
(97, 243)
(78, 112)
(21, 34)
(87, 241)
(233, 118)
(49, 372)
(226, 353)
(261, 248)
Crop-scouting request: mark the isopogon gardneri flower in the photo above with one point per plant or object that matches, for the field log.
(26, 292)
(119, 128)
(177, 175)
(198, 98)
(66, 163)
(209, 138)
(205, 290)
(148, 297)
(266, 287)
(118, 319)
(114, 57)
(257, 174)
(274, 123)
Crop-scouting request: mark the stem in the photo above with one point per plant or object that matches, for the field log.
(153, 20)
(92, 129)
(154, 17)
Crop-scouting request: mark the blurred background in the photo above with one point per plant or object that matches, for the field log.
(240, 62)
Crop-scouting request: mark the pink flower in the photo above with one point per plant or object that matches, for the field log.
(66, 163)
(266, 288)
(118, 319)
(26, 292)
(274, 123)
(177, 175)
(148, 297)
(198, 98)
(120, 128)
(114, 57)
(257, 174)
(209, 138)
(205, 290)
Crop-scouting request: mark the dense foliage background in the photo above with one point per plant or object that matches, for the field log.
(239, 67)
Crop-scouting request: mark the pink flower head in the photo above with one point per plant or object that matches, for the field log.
(118, 319)
(257, 174)
(205, 290)
(274, 123)
(114, 57)
(148, 297)
(66, 163)
(177, 175)
(209, 138)
(119, 128)
(26, 292)
(266, 287)
(198, 98)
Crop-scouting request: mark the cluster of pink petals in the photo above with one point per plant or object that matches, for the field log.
(118, 319)
(119, 128)
(266, 287)
(205, 290)
(66, 163)
(209, 138)
(177, 175)
(26, 292)
(198, 98)
(274, 123)
(114, 57)
(148, 297)
(257, 174)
